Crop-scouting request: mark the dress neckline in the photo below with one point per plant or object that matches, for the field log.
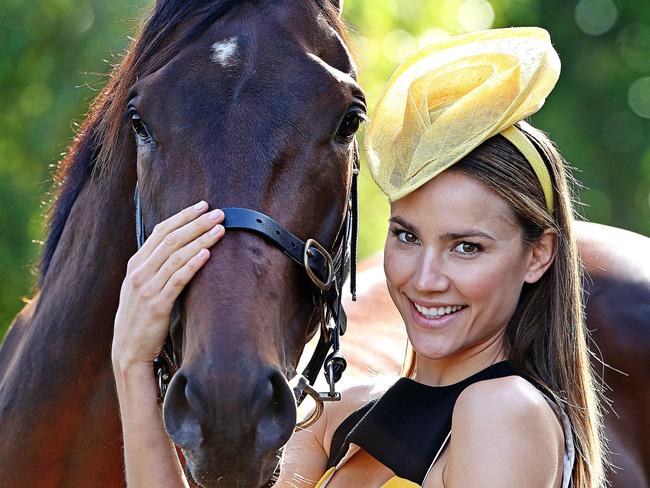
(378, 420)
(465, 381)
(409, 424)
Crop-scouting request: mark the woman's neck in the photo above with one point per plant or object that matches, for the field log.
(452, 369)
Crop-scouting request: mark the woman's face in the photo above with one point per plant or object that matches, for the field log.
(455, 264)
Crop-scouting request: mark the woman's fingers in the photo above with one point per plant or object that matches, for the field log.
(180, 258)
(155, 276)
(183, 275)
(162, 229)
(174, 241)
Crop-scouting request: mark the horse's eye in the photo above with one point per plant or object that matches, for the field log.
(139, 127)
(350, 124)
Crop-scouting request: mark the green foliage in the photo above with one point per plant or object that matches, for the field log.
(54, 55)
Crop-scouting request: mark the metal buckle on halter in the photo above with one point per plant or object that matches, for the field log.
(303, 387)
(323, 285)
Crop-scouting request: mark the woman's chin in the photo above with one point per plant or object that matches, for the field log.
(430, 349)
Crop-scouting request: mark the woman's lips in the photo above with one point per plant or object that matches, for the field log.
(434, 322)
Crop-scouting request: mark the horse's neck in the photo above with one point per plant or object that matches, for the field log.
(75, 308)
(55, 373)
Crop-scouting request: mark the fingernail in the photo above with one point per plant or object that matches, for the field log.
(215, 214)
(215, 230)
(200, 205)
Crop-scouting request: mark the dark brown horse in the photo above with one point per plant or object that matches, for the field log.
(617, 292)
(242, 103)
(239, 103)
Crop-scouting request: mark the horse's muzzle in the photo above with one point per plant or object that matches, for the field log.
(230, 432)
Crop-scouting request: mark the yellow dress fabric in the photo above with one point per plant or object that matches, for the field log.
(394, 482)
(325, 477)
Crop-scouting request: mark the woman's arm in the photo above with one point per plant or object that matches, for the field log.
(149, 455)
(156, 274)
(304, 458)
(504, 434)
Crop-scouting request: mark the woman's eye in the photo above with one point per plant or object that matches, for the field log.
(139, 127)
(350, 124)
(468, 248)
(406, 236)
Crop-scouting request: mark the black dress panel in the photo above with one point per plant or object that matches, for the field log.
(405, 428)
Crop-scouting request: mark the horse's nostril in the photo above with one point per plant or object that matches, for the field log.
(277, 413)
(203, 416)
(180, 420)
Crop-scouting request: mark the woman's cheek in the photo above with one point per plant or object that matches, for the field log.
(493, 287)
(475, 281)
(394, 264)
(487, 287)
(398, 271)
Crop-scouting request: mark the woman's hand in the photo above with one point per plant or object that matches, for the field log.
(155, 275)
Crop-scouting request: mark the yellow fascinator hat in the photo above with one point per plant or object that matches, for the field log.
(447, 99)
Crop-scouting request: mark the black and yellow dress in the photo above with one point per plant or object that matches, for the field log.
(408, 427)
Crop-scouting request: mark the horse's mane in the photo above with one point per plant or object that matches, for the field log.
(96, 149)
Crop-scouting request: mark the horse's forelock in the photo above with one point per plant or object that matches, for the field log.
(98, 148)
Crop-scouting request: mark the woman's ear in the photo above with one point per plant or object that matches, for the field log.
(542, 255)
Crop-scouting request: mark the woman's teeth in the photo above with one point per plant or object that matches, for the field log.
(437, 311)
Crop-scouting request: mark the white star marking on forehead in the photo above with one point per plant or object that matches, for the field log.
(223, 52)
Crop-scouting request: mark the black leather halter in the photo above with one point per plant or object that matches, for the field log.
(327, 275)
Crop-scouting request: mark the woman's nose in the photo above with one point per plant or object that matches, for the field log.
(430, 275)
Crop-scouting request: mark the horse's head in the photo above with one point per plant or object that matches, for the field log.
(252, 104)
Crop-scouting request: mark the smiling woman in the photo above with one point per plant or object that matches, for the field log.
(442, 273)
(481, 263)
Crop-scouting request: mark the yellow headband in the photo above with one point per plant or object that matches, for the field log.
(530, 152)
(447, 99)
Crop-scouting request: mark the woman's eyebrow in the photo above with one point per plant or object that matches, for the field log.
(452, 236)
(447, 236)
(404, 223)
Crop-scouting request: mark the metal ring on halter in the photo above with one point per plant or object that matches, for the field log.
(315, 414)
(323, 285)
(302, 386)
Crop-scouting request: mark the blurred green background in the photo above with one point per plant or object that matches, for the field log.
(55, 54)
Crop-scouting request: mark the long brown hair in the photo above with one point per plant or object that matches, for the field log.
(546, 339)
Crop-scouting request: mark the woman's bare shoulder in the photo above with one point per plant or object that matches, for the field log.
(511, 392)
(504, 433)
